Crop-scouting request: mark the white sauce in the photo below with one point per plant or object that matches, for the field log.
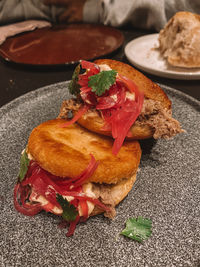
(43, 201)
(87, 189)
(114, 97)
(104, 67)
(130, 96)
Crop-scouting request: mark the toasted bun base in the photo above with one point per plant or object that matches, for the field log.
(93, 121)
(118, 192)
(65, 152)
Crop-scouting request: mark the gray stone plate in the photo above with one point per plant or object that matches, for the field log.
(167, 190)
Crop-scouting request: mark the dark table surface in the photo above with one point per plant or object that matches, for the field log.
(17, 80)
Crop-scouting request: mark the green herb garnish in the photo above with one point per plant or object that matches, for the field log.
(24, 162)
(74, 87)
(138, 229)
(69, 211)
(102, 81)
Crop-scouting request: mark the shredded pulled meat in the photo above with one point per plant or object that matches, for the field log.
(153, 114)
(69, 106)
(104, 194)
(159, 119)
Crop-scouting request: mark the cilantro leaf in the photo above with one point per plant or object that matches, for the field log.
(24, 162)
(74, 87)
(69, 211)
(102, 81)
(138, 229)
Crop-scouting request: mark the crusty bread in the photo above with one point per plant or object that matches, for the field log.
(179, 41)
(65, 152)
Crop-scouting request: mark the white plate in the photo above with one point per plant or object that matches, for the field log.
(143, 53)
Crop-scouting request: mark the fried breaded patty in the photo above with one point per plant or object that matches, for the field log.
(66, 152)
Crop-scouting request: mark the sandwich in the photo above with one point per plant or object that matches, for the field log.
(72, 172)
(179, 40)
(114, 99)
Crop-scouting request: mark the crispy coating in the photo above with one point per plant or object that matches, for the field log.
(65, 152)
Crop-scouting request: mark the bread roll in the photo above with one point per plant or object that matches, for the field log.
(179, 41)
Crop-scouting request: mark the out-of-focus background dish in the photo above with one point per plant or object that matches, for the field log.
(143, 53)
(61, 44)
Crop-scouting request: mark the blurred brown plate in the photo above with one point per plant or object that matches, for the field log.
(62, 44)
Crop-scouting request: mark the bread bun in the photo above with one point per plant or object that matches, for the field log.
(179, 41)
(65, 152)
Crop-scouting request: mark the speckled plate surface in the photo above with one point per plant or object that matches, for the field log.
(167, 190)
